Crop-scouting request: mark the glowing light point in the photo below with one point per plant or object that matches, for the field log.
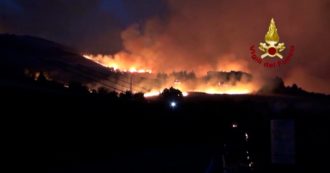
(185, 94)
(250, 164)
(246, 136)
(234, 125)
(173, 104)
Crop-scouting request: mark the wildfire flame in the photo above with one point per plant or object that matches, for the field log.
(152, 94)
(197, 85)
(109, 62)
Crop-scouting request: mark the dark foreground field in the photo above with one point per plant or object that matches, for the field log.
(86, 133)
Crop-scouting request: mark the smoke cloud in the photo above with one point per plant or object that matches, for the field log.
(189, 35)
(208, 35)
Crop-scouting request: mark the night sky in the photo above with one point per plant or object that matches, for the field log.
(210, 33)
(92, 26)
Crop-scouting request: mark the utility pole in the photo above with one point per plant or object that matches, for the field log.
(131, 84)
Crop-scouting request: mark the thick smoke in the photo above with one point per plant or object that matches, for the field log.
(208, 35)
(191, 35)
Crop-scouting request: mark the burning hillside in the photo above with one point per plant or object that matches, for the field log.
(127, 72)
(151, 81)
(158, 56)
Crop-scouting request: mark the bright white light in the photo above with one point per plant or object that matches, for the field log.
(250, 164)
(173, 104)
(246, 136)
(234, 125)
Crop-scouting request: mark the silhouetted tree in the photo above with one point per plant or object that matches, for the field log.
(126, 95)
(42, 78)
(273, 86)
(77, 87)
(103, 91)
(172, 93)
(139, 96)
(112, 95)
(295, 87)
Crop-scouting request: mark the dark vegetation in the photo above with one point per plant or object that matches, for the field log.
(97, 124)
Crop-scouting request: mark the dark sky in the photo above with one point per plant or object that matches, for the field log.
(88, 25)
(184, 34)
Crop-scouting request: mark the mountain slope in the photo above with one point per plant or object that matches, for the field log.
(21, 53)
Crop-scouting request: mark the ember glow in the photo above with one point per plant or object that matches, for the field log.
(209, 90)
(152, 82)
(110, 62)
(152, 94)
(157, 93)
(233, 91)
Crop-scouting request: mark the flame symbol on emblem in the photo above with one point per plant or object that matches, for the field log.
(272, 47)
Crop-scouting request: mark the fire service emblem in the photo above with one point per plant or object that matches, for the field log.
(271, 49)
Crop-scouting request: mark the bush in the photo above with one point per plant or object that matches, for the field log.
(172, 93)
